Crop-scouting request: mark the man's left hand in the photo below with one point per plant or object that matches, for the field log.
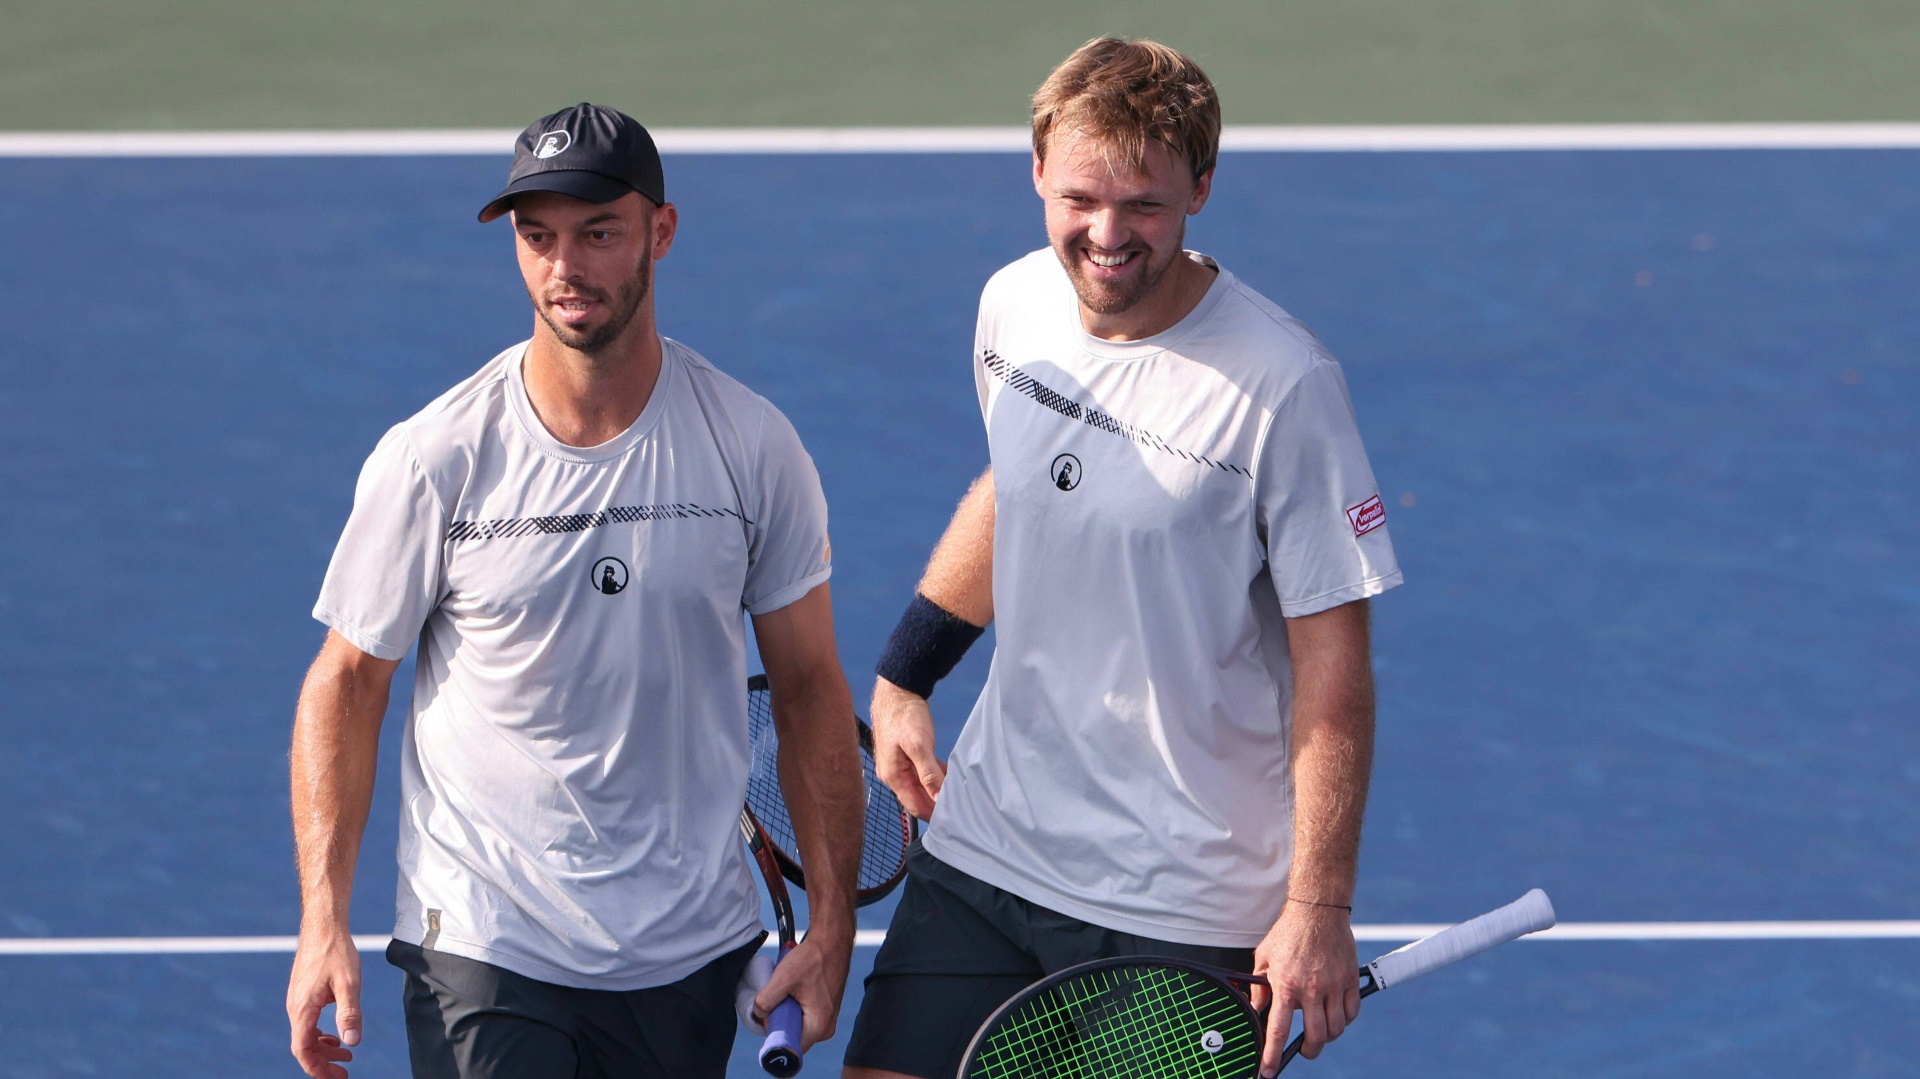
(1308, 959)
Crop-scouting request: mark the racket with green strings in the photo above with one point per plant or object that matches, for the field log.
(1135, 1017)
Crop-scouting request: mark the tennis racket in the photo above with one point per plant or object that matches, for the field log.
(887, 833)
(1140, 1016)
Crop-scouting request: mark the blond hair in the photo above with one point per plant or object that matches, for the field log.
(1124, 95)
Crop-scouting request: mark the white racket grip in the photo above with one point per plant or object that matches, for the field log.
(759, 969)
(1528, 914)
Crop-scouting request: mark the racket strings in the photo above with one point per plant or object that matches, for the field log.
(1124, 1023)
(887, 830)
(883, 853)
(764, 797)
(1166, 1031)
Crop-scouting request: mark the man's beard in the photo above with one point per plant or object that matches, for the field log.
(621, 310)
(1104, 299)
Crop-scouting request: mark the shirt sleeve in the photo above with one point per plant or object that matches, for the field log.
(982, 336)
(1319, 510)
(387, 572)
(788, 554)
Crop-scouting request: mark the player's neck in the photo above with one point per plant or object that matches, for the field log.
(585, 399)
(1182, 288)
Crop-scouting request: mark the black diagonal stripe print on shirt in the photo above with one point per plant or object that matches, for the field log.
(1074, 410)
(578, 522)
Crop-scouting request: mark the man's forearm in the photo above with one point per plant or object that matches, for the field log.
(1332, 750)
(336, 744)
(820, 773)
(959, 575)
(951, 607)
(819, 750)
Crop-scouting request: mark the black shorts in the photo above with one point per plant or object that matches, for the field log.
(957, 949)
(472, 1020)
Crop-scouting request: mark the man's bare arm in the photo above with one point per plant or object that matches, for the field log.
(1309, 954)
(959, 578)
(336, 744)
(820, 775)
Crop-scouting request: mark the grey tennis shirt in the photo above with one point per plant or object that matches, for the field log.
(1162, 505)
(576, 755)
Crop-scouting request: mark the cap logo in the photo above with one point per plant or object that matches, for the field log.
(553, 144)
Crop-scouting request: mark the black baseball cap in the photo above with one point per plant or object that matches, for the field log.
(590, 152)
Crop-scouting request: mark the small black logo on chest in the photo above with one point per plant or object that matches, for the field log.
(1066, 472)
(609, 576)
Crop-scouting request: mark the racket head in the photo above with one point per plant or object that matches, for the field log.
(1131, 1016)
(888, 829)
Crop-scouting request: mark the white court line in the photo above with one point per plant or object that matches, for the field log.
(946, 140)
(869, 938)
(165, 945)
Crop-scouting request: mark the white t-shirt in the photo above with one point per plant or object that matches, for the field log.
(1160, 505)
(576, 757)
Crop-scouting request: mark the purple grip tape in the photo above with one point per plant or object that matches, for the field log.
(780, 1053)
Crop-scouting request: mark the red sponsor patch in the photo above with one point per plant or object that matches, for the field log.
(1367, 516)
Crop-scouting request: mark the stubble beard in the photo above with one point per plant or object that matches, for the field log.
(1104, 299)
(623, 307)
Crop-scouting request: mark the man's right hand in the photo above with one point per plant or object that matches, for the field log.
(326, 970)
(903, 748)
(815, 974)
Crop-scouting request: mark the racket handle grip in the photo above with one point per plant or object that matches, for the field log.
(1528, 914)
(780, 1053)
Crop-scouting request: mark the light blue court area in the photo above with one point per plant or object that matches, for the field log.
(1644, 424)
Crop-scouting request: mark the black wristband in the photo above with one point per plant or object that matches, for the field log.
(925, 646)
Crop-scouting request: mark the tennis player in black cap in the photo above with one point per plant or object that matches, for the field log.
(571, 535)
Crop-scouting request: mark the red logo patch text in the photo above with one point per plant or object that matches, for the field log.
(1367, 516)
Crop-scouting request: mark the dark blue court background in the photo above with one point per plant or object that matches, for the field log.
(1644, 424)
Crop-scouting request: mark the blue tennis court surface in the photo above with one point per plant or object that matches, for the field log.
(1644, 423)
